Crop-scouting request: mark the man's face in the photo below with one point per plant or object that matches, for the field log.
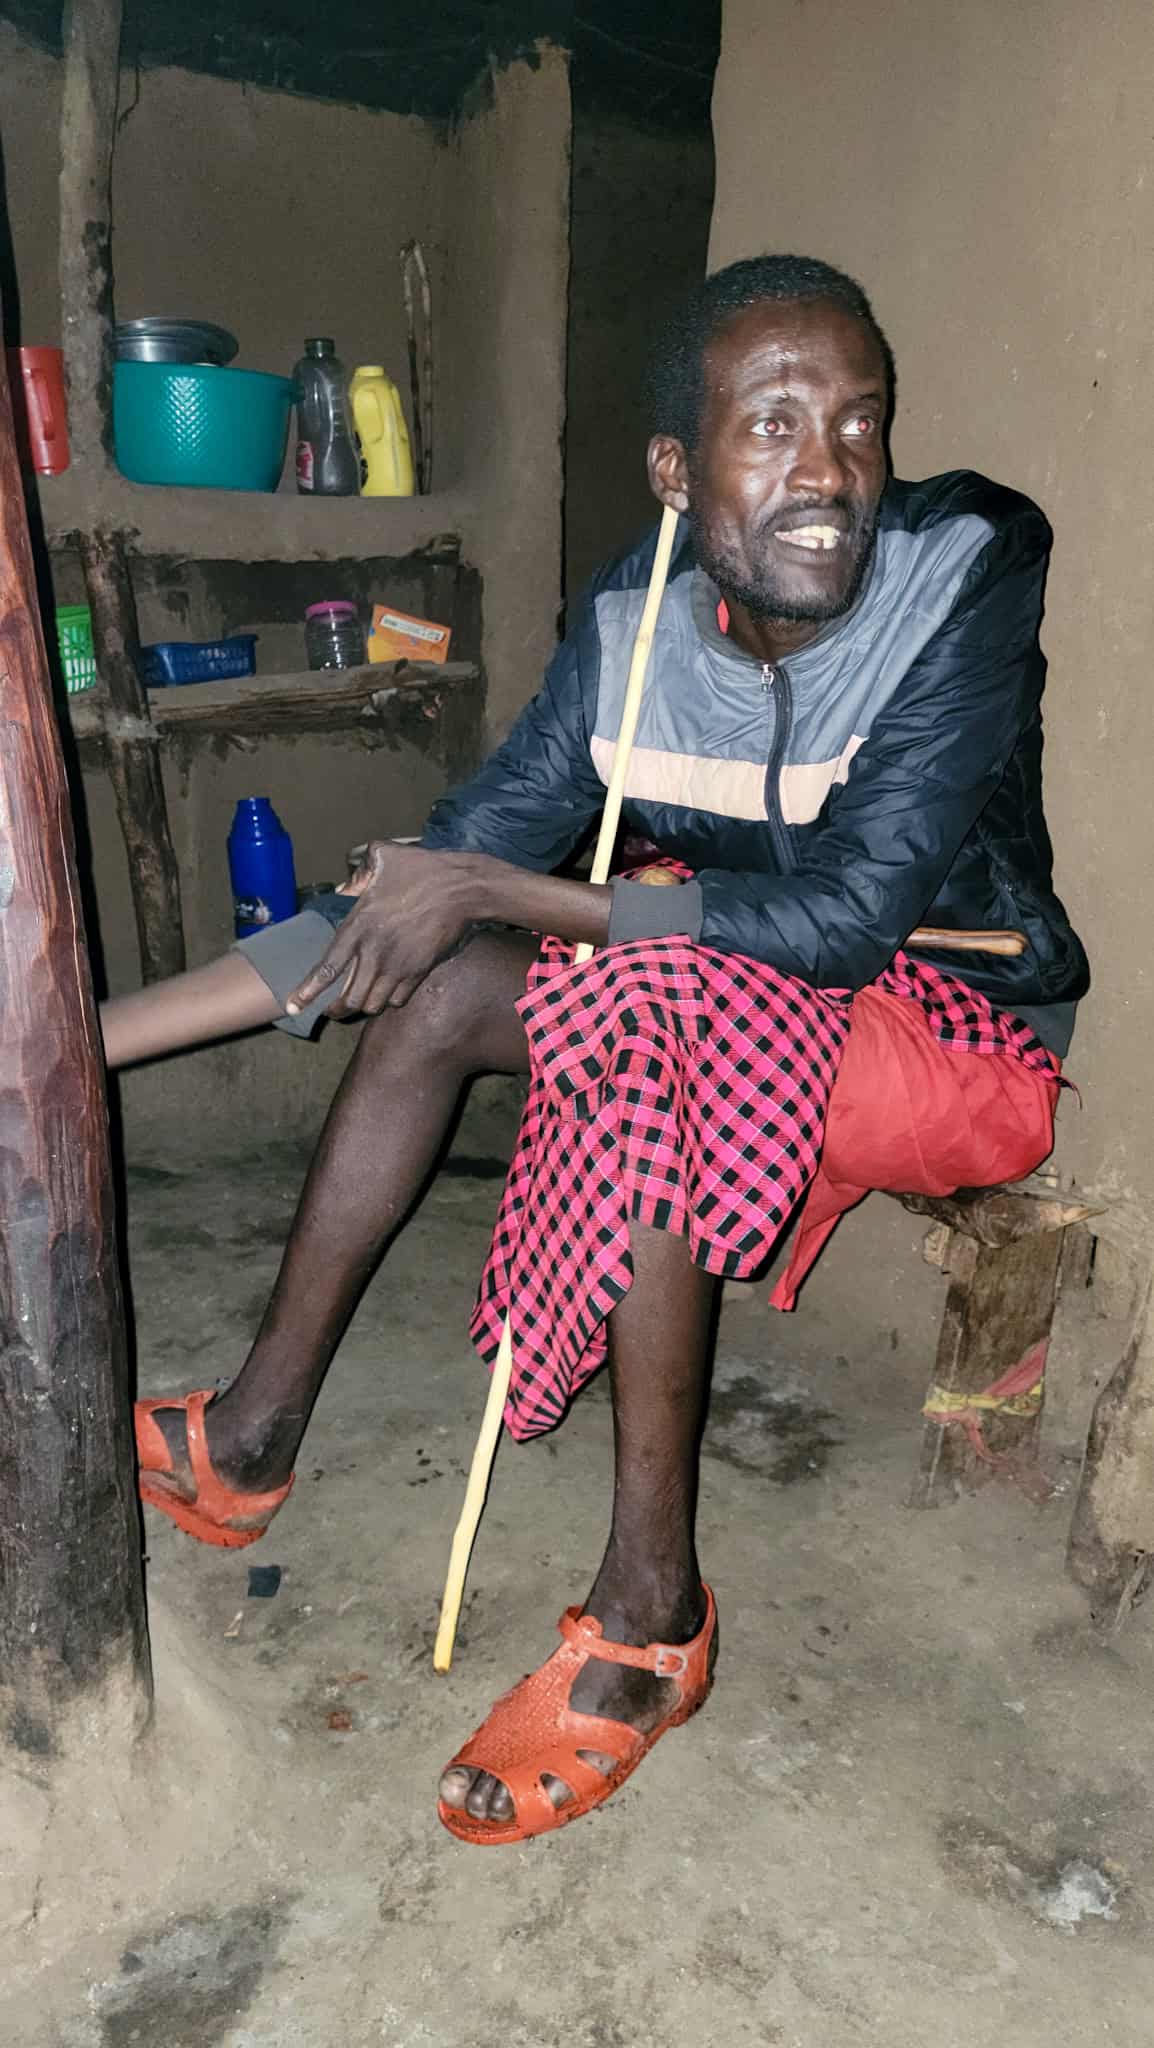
(783, 485)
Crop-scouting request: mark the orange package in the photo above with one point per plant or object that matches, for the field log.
(397, 636)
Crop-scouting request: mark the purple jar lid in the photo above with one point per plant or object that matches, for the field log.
(339, 604)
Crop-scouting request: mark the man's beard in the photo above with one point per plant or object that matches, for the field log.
(763, 597)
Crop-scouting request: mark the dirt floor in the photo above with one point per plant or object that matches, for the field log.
(915, 1811)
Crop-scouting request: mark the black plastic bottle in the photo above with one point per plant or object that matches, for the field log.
(328, 459)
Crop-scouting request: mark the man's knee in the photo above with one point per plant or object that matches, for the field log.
(463, 1010)
(451, 1004)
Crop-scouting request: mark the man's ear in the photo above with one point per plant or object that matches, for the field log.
(669, 472)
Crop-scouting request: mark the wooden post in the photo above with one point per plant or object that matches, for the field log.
(91, 46)
(132, 757)
(73, 1644)
(91, 32)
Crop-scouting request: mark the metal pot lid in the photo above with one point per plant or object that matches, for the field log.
(204, 336)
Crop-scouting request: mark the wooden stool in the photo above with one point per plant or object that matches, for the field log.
(1006, 1251)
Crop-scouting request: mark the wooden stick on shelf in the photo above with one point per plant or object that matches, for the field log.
(420, 362)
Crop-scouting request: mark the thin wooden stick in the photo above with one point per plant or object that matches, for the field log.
(945, 940)
(420, 364)
(1005, 942)
(481, 1467)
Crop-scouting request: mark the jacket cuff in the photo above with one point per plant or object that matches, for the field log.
(640, 911)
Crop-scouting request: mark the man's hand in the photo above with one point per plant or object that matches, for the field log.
(415, 907)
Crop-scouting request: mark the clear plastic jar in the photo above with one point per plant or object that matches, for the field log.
(334, 636)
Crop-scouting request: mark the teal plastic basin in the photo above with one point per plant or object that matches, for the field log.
(192, 423)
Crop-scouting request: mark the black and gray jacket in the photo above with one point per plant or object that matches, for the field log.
(887, 775)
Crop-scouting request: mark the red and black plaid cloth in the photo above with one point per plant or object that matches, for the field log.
(682, 1088)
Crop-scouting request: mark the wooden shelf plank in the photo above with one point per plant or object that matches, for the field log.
(438, 708)
(252, 703)
(245, 526)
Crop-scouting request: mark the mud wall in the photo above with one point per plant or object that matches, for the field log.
(641, 203)
(503, 356)
(278, 217)
(986, 172)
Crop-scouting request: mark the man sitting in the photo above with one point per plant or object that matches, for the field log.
(840, 740)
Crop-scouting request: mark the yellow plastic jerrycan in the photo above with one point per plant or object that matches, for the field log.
(386, 457)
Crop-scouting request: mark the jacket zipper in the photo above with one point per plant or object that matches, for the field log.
(775, 682)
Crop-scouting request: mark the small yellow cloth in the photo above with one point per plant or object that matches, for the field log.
(940, 1402)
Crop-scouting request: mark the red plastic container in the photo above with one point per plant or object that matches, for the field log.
(38, 375)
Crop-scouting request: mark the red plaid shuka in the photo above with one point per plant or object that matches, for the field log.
(682, 1088)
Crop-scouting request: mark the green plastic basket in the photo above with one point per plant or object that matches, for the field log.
(74, 639)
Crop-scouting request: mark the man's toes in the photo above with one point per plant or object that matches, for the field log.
(488, 1799)
(484, 1797)
(557, 1789)
(455, 1784)
(476, 1793)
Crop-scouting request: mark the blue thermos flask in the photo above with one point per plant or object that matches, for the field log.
(260, 862)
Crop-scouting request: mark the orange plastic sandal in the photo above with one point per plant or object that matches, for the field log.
(212, 1515)
(532, 1732)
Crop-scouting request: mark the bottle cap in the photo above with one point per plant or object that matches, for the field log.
(369, 370)
(336, 604)
(320, 345)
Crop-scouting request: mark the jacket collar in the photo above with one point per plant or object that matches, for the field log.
(705, 597)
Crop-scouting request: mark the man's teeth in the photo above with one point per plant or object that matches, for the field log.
(817, 538)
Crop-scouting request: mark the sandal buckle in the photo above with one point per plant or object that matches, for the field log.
(670, 1663)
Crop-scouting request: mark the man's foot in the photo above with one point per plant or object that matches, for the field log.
(207, 1504)
(246, 1462)
(641, 1699)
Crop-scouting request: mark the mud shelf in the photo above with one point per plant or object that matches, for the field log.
(254, 526)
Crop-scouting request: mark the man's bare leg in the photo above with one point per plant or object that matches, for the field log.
(209, 1002)
(649, 1587)
(380, 1140)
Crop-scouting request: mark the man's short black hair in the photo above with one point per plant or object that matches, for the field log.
(677, 373)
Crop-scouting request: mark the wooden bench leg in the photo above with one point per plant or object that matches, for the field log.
(1111, 1551)
(998, 1314)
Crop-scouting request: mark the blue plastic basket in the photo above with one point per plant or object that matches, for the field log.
(198, 661)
